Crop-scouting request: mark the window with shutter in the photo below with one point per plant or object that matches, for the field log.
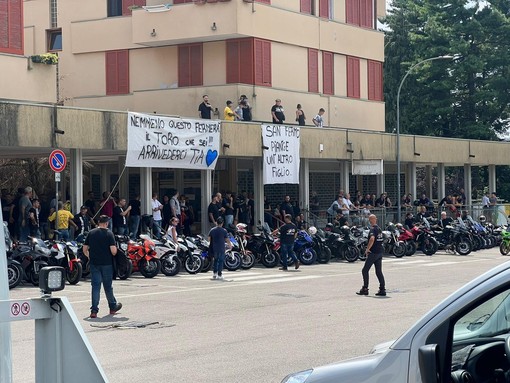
(306, 6)
(117, 72)
(313, 70)
(11, 26)
(327, 73)
(240, 61)
(375, 80)
(353, 77)
(366, 12)
(182, 1)
(324, 9)
(262, 61)
(114, 8)
(190, 70)
(126, 4)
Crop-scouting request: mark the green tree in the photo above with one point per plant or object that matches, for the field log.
(465, 98)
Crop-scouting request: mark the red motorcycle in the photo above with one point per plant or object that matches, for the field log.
(408, 238)
(424, 238)
(142, 255)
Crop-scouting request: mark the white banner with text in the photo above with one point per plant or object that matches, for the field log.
(280, 154)
(169, 142)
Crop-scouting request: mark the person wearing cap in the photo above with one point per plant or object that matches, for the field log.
(83, 222)
(277, 112)
(218, 237)
(100, 248)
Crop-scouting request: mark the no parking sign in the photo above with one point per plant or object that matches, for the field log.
(57, 160)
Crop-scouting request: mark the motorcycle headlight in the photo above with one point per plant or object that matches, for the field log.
(298, 377)
(124, 246)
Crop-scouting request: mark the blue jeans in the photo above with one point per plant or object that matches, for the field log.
(286, 249)
(219, 260)
(102, 274)
(24, 232)
(63, 234)
(156, 228)
(134, 224)
(121, 230)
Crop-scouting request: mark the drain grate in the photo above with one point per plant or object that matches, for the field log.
(133, 324)
(289, 295)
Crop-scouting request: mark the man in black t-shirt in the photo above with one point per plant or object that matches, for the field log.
(120, 217)
(33, 219)
(288, 233)
(205, 109)
(374, 255)
(134, 217)
(100, 248)
(83, 222)
(213, 210)
(277, 112)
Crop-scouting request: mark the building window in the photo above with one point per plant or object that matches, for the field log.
(360, 13)
(122, 7)
(11, 26)
(182, 1)
(313, 70)
(328, 78)
(353, 77)
(54, 39)
(117, 72)
(240, 68)
(262, 58)
(375, 80)
(190, 65)
(324, 7)
(308, 7)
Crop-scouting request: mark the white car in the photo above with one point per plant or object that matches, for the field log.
(466, 338)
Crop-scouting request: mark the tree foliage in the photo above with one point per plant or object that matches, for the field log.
(466, 98)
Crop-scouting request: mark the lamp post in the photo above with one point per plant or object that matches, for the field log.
(399, 201)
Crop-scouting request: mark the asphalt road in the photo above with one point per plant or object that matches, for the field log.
(260, 325)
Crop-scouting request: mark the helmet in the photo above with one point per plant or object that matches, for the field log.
(312, 230)
(482, 219)
(399, 226)
(241, 227)
(329, 227)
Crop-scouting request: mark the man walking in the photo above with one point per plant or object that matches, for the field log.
(157, 219)
(374, 255)
(218, 236)
(288, 234)
(100, 248)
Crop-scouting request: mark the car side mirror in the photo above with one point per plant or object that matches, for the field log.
(430, 367)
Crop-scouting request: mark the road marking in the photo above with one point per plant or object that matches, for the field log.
(242, 279)
(441, 263)
(285, 280)
(406, 262)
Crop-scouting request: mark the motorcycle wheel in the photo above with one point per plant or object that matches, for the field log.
(149, 269)
(248, 260)
(464, 246)
(399, 250)
(206, 264)
(307, 256)
(193, 263)
(504, 248)
(125, 272)
(170, 266)
(233, 261)
(350, 253)
(325, 255)
(477, 243)
(270, 259)
(14, 274)
(430, 246)
(73, 277)
(411, 248)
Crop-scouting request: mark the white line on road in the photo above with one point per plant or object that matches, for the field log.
(285, 280)
(441, 263)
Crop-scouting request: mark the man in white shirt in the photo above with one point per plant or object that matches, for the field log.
(347, 205)
(156, 216)
(318, 121)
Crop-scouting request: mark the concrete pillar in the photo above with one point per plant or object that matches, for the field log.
(105, 179)
(179, 180)
(123, 178)
(206, 186)
(76, 187)
(411, 179)
(304, 183)
(441, 180)
(258, 190)
(492, 179)
(428, 181)
(467, 183)
(344, 175)
(146, 190)
(380, 184)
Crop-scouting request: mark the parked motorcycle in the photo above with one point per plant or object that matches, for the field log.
(454, 238)
(504, 247)
(66, 255)
(407, 237)
(391, 243)
(342, 243)
(303, 247)
(424, 237)
(319, 245)
(33, 256)
(142, 254)
(262, 245)
(247, 257)
(14, 269)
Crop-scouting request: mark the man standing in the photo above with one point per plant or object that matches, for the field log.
(205, 109)
(156, 216)
(175, 209)
(288, 234)
(287, 208)
(318, 120)
(33, 219)
(277, 112)
(120, 218)
(218, 237)
(213, 210)
(65, 218)
(100, 248)
(25, 205)
(90, 203)
(374, 253)
(83, 222)
(134, 217)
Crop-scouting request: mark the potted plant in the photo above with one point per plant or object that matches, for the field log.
(46, 58)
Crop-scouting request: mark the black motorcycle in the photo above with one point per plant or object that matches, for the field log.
(319, 245)
(341, 243)
(263, 246)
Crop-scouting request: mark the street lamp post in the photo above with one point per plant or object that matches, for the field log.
(399, 200)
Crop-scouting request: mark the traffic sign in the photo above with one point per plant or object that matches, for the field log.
(57, 160)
